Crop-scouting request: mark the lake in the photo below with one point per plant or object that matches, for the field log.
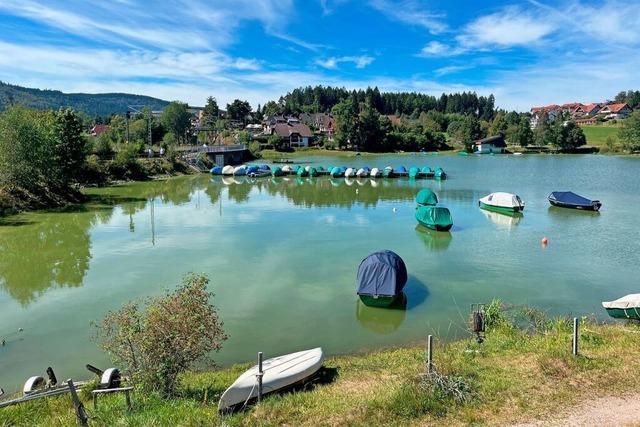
(282, 255)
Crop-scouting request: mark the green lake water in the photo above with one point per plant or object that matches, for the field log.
(282, 255)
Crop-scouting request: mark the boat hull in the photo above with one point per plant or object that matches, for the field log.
(621, 313)
(501, 209)
(595, 207)
(378, 300)
(280, 373)
(436, 227)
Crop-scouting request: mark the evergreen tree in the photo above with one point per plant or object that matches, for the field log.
(211, 111)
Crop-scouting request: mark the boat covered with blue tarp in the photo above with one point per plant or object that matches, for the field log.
(571, 200)
(381, 278)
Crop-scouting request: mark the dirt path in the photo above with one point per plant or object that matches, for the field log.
(601, 412)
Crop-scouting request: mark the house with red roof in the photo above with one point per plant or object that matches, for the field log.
(551, 111)
(98, 130)
(616, 111)
(586, 110)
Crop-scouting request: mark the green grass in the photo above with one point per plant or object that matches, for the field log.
(597, 134)
(517, 374)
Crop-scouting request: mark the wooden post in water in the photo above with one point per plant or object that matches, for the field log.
(574, 347)
(429, 354)
(260, 374)
(80, 412)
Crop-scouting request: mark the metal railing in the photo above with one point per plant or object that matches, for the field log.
(219, 148)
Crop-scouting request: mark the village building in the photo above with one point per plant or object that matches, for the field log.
(552, 112)
(615, 111)
(490, 145)
(293, 134)
(586, 110)
(98, 130)
(322, 123)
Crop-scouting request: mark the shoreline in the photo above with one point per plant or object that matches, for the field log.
(517, 376)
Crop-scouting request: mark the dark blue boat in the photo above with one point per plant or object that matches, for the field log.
(568, 199)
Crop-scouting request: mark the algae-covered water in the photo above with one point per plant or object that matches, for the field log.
(282, 255)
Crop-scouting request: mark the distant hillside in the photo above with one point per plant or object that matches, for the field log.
(101, 104)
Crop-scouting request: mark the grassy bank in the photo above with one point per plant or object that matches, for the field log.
(597, 134)
(519, 373)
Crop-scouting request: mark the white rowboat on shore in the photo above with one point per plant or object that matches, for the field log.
(279, 373)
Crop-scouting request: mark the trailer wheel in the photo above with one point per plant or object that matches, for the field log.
(110, 378)
(33, 384)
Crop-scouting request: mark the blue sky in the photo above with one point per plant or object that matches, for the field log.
(525, 53)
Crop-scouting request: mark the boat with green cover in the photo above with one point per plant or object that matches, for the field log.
(277, 171)
(434, 217)
(413, 172)
(426, 197)
(439, 173)
(302, 172)
(388, 172)
(627, 307)
(502, 202)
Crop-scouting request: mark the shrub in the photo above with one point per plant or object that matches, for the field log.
(102, 147)
(93, 171)
(157, 343)
(254, 148)
(125, 164)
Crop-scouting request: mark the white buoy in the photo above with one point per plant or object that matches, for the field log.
(394, 209)
(356, 191)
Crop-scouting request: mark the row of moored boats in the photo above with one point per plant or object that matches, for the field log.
(333, 171)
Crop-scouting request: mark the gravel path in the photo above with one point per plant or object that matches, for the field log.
(601, 412)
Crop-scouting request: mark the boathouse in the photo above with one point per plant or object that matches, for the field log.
(492, 144)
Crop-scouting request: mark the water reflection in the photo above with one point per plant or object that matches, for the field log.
(53, 250)
(503, 219)
(565, 214)
(382, 320)
(434, 240)
(320, 192)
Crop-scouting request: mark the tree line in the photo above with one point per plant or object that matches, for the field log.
(322, 99)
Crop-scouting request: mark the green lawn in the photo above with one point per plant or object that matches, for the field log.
(597, 134)
(516, 375)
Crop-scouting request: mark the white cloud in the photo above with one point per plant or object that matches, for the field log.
(436, 48)
(331, 63)
(510, 27)
(451, 69)
(412, 12)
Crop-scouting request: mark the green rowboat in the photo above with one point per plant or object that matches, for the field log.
(502, 203)
(627, 307)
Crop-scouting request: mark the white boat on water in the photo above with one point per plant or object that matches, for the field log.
(375, 173)
(502, 202)
(362, 173)
(278, 373)
(240, 171)
(286, 169)
(227, 170)
(350, 172)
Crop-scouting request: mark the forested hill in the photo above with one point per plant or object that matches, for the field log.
(102, 104)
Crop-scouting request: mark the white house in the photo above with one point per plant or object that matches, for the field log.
(293, 134)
